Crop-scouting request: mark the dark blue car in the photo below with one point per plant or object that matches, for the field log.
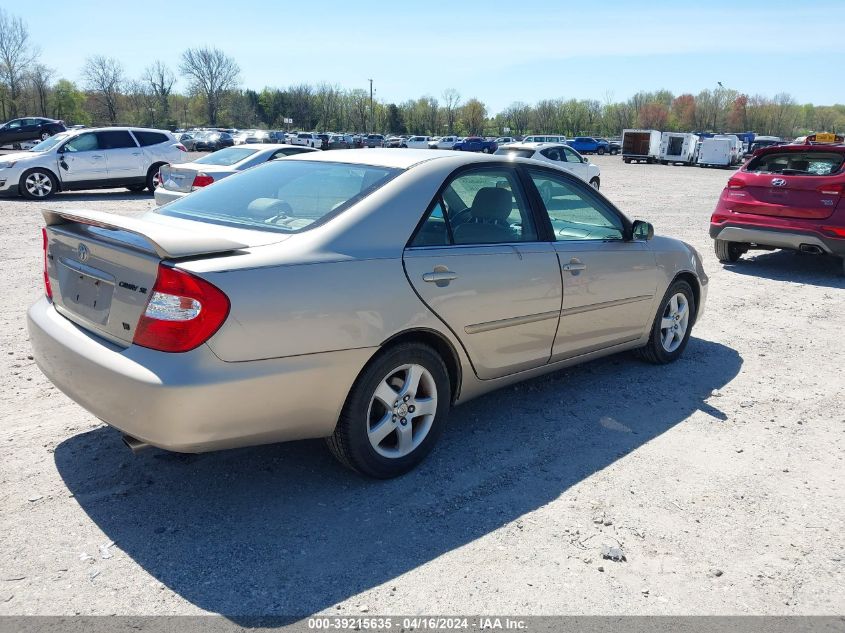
(476, 144)
(589, 145)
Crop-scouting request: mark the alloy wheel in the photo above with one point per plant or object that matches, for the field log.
(402, 411)
(674, 322)
(38, 184)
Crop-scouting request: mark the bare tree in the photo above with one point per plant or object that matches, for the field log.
(16, 55)
(160, 80)
(212, 73)
(39, 80)
(104, 78)
(451, 103)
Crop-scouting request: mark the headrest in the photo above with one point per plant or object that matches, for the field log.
(491, 203)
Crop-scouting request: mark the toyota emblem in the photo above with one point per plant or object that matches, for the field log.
(778, 182)
(83, 253)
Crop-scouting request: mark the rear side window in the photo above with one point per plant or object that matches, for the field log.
(519, 153)
(226, 157)
(149, 138)
(797, 163)
(115, 139)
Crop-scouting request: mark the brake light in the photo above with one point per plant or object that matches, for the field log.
(835, 189)
(201, 180)
(718, 218)
(183, 312)
(835, 231)
(181, 147)
(48, 290)
(736, 183)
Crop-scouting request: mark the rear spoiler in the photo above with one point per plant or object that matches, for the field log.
(168, 242)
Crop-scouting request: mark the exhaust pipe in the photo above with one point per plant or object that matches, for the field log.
(812, 249)
(134, 444)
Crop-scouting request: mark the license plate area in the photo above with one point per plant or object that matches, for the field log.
(86, 291)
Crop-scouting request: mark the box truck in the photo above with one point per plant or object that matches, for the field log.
(640, 145)
(678, 147)
(716, 152)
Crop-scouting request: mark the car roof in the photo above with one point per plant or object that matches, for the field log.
(779, 149)
(395, 158)
(117, 128)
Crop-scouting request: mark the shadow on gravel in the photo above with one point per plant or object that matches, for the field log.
(814, 270)
(88, 196)
(283, 529)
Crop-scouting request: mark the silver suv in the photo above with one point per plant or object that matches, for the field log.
(95, 158)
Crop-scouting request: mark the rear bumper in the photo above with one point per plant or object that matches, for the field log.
(791, 238)
(193, 402)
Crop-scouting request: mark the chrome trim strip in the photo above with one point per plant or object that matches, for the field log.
(503, 323)
(605, 304)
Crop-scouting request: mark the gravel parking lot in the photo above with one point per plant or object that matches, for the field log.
(719, 477)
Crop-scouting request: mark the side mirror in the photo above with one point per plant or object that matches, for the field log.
(642, 230)
(584, 159)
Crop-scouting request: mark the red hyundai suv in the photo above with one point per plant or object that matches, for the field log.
(788, 196)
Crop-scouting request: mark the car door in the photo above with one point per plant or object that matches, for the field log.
(124, 158)
(608, 281)
(478, 264)
(81, 159)
(12, 132)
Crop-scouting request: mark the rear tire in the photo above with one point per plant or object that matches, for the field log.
(672, 326)
(600, 151)
(45, 135)
(728, 252)
(416, 377)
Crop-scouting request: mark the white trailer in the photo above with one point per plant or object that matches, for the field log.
(716, 152)
(641, 145)
(737, 147)
(678, 147)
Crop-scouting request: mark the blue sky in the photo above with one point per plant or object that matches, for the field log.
(498, 51)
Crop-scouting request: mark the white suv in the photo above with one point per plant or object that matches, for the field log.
(95, 158)
(561, 156)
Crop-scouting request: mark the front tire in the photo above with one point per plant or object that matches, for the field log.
(672, 325)
(152, 179)
(394, 413)
(728, 252)
(38, 184)
(600, 151)
(595, 183)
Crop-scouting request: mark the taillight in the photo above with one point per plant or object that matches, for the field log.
(835, 231)
(183, 312)
(831, 190)
(201, 180)
(736, 183)
(181, 147)
(718, 218)
(48, 290)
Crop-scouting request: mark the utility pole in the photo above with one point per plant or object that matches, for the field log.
(372, 114)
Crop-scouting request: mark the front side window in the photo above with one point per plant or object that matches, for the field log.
(283, 196)
(570, 155)
(575, 214)
(478, 207)
(83, 143)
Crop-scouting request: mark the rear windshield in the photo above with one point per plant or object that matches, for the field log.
(226, 157)
(283, 196)
(519, 153)
(809, 163)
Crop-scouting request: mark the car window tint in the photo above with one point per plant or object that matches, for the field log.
(14, 124)
(574, 213)
(149, 138)
(487, 207)
(570, 156)
(83, 143)
(434, 231)
(115, 139)
(552, 153)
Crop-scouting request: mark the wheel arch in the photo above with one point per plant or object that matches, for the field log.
(440, 344)
(692, 279)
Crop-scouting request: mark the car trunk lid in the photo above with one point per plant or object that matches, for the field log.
(102, 267)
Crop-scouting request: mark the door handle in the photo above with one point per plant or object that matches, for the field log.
(96, 156)
(136, 153)
(574, 265)
(439, 276)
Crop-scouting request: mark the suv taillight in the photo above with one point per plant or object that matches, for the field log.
(201, 180)
(48, 290)
(183, 312)
(181, 147)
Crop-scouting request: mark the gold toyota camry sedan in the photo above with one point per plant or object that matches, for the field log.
(354, 296)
